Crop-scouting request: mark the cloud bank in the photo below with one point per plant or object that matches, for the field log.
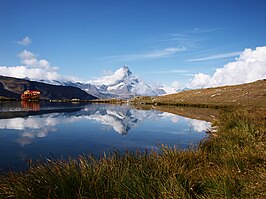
(33, 68)
(249, 67)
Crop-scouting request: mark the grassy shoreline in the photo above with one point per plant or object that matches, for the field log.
(232, 165)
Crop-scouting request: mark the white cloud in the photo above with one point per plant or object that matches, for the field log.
(173, 88)
(199, 125)
(173, 117)
(205, 30)
(166, 52)
(200, 80)
(25, 41)
(32, 73)
(107, 72)
(142, 89)
(34, 69)
(28, 58)
(167, 71)
(216, 56)
(249, 67)
(180, 39)
(176, 84)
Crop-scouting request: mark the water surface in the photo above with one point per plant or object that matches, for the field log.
(34, 131)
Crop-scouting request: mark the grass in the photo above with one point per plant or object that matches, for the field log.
(232, 165)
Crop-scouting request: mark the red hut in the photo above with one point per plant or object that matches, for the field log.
(31, 95)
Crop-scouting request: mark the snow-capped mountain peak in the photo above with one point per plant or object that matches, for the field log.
(119, 75)
(123, 72)
(122, 84)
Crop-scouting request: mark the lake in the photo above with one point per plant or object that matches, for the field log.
(44, 130)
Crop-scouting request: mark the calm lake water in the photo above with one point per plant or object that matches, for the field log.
(36, 131)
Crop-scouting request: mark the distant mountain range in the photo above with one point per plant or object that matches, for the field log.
(121, 84)
(13, 87)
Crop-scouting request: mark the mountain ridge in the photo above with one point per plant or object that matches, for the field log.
(13, 87)
(121, 84)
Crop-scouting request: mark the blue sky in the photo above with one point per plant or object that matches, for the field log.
(160, 40)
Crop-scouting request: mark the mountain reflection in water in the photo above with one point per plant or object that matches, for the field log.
(120, 118)
(89, 128)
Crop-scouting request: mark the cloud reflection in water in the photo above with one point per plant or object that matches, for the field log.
(120, 118)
